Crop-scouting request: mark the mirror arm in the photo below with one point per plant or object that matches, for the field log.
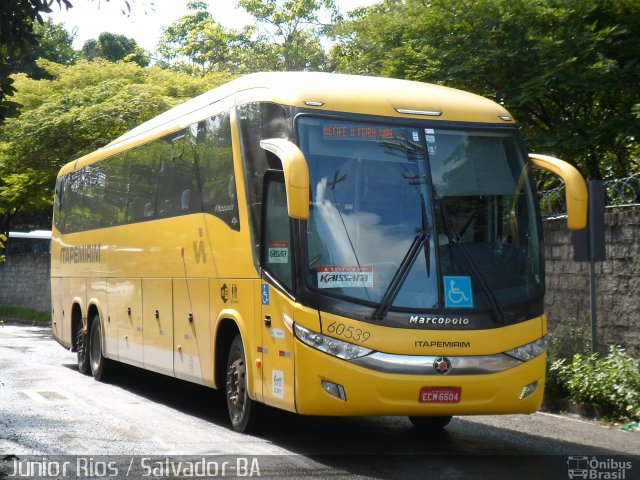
(575, 188)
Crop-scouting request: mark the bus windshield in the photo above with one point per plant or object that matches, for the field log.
(421, 218)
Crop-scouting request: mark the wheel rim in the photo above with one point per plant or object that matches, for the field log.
(236, 390)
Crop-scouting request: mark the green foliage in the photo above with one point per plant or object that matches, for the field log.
(287, 35)
(567, 70)
(55, 43)
(115, 47)
(84, 107)
(290, 31)
(3, 239)
(22, 41)
(569, 337)
(17, 37)
(197, 44)
(25, 314)
(613, 382)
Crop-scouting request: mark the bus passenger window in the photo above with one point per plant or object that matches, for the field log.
(215, 167)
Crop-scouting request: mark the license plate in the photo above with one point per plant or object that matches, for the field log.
(440, 394)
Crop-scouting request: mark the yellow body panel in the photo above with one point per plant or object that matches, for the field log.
(124, 319)
(277, 350)
(191, 331)
(433, 342)
(157, 325)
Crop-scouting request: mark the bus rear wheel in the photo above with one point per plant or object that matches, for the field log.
(82, 351)
(430, 423)
(101, 367)
(242, 410)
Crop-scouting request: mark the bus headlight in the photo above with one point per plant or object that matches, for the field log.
(529, 351)
(330, 345)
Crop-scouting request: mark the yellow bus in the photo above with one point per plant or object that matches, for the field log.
(324, 244)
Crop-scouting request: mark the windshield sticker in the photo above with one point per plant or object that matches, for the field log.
(278, 252)
(429, 135)
(345, 276)
(457, 292)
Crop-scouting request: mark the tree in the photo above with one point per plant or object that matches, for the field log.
(83, 108)
(568, 70)
(288, 35)
(115, 47)
(17, 37)
(55, 43)
(17, 19)
(291, 32)
(3, 239)
(197, 44)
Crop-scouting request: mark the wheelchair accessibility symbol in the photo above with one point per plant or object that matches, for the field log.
(457, 292)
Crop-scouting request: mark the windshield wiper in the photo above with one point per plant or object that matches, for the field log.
(421, 241)
(425, 232)
(400, 276)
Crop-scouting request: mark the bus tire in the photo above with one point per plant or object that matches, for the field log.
(242, 410)
(82, 351)
(430, 423)
(101, 367)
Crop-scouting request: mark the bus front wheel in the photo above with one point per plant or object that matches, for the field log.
(430, 423)
(242, 410)
(101, 367)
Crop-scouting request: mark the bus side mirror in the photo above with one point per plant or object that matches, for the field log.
(575, 188)
(296, 175)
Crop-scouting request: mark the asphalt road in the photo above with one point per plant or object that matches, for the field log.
(144, 425)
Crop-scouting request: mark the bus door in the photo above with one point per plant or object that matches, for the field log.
(277, 305)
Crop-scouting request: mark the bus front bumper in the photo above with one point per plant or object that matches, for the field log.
(326, 385)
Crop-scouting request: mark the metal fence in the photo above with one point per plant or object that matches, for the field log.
(619, 192)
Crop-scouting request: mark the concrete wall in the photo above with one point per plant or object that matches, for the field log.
(617, 280)
(24, 282)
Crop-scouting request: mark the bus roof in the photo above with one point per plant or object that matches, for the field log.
(323, 92)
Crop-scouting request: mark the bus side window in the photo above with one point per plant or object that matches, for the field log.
(276, 247)
(257, 122)
(177, 176)
(215, 161)
(58, 213)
